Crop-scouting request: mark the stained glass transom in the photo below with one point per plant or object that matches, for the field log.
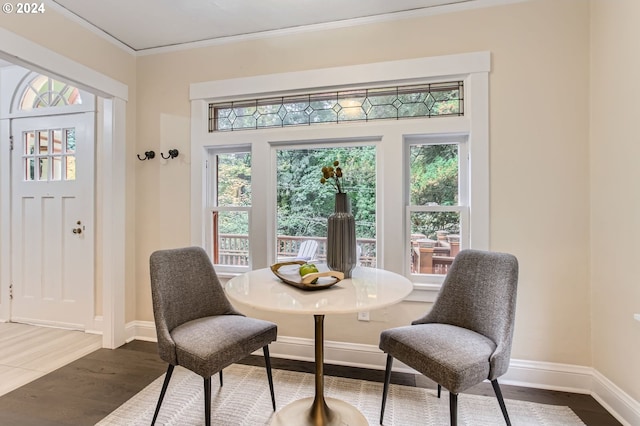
(418, 101)
(45, 92)
(49, 155)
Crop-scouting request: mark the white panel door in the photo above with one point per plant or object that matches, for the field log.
(52, 204)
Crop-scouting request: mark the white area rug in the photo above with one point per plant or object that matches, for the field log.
(245, 400)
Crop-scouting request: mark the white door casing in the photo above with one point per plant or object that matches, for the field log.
(110, 185)
(53, 220)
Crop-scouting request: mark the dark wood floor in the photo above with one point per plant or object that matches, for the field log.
(87, 390)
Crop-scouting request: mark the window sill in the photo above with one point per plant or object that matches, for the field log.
(423, 293)
(228, 275)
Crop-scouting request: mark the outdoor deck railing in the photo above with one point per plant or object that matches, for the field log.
(234, 249)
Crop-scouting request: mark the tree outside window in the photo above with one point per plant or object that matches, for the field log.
(437, 206)
(304, 204)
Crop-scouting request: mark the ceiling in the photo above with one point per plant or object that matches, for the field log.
(151, 24)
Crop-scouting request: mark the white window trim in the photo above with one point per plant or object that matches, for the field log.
(315, 144)
(462, 208)
(20, 77)
(211, 206)
(224, 269)
(473, 68)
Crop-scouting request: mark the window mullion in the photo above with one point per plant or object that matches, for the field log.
(457, 208)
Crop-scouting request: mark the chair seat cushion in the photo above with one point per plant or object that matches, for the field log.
(454, 357)
(207, 345)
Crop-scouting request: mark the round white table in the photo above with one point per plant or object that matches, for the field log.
(368, 289)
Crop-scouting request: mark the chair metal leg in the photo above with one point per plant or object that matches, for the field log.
(453, 408)
(267, 364)
(220, 373)
(165, 384)
(207, 401)
(439, 390)
(496, 389)
(385, 389)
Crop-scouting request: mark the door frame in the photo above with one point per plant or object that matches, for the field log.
(110, 180)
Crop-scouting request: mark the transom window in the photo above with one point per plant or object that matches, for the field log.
(45, 92)
(49, 155)
(426, 100)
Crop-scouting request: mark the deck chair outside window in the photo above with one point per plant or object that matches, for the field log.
(307, 251)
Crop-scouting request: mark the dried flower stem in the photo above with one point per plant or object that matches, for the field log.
(333, 175)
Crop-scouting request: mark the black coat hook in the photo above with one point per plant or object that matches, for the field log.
(148, 155)
(173, 153)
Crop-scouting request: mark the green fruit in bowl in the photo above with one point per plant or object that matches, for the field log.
(308, 268)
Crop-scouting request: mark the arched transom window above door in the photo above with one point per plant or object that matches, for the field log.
(45, 92)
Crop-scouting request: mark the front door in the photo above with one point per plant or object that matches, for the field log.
(52, 217)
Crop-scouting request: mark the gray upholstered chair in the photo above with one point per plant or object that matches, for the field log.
(466, 337)
(196, 325)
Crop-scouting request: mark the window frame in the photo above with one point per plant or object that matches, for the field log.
(212, 205)
(472, 68)
(319, 144)
(344, 100)
(462, 207)
(22, 81)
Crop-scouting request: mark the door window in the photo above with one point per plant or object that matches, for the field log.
(49, 154)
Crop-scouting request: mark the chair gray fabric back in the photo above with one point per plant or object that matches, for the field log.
(184, 287)
(479, 294)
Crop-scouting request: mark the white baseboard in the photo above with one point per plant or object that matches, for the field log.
(140, 330)
(97, 328)
(550, 376)
(532, 374)
(615, 400)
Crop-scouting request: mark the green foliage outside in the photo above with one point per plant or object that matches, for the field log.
(234, 189)
(304, 204)
(434, 181)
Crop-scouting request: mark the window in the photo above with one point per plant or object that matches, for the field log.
(438, 206)
(304, 204)
(230, 208)
(49, 155)
(427, 100)
(45, 92)
(280, 194)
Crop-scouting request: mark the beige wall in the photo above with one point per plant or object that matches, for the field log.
(542, 209)
(615, 198)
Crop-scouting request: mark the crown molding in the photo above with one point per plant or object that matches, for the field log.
(427, 11)
(89, 26)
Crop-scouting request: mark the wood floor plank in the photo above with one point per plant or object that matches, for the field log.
(66, 348)
(12, 378)
(28, 352)
(86, 390)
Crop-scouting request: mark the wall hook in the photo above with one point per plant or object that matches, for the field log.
(173, 153)
(148, 155)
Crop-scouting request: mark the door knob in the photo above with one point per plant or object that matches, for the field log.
(79, 229)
